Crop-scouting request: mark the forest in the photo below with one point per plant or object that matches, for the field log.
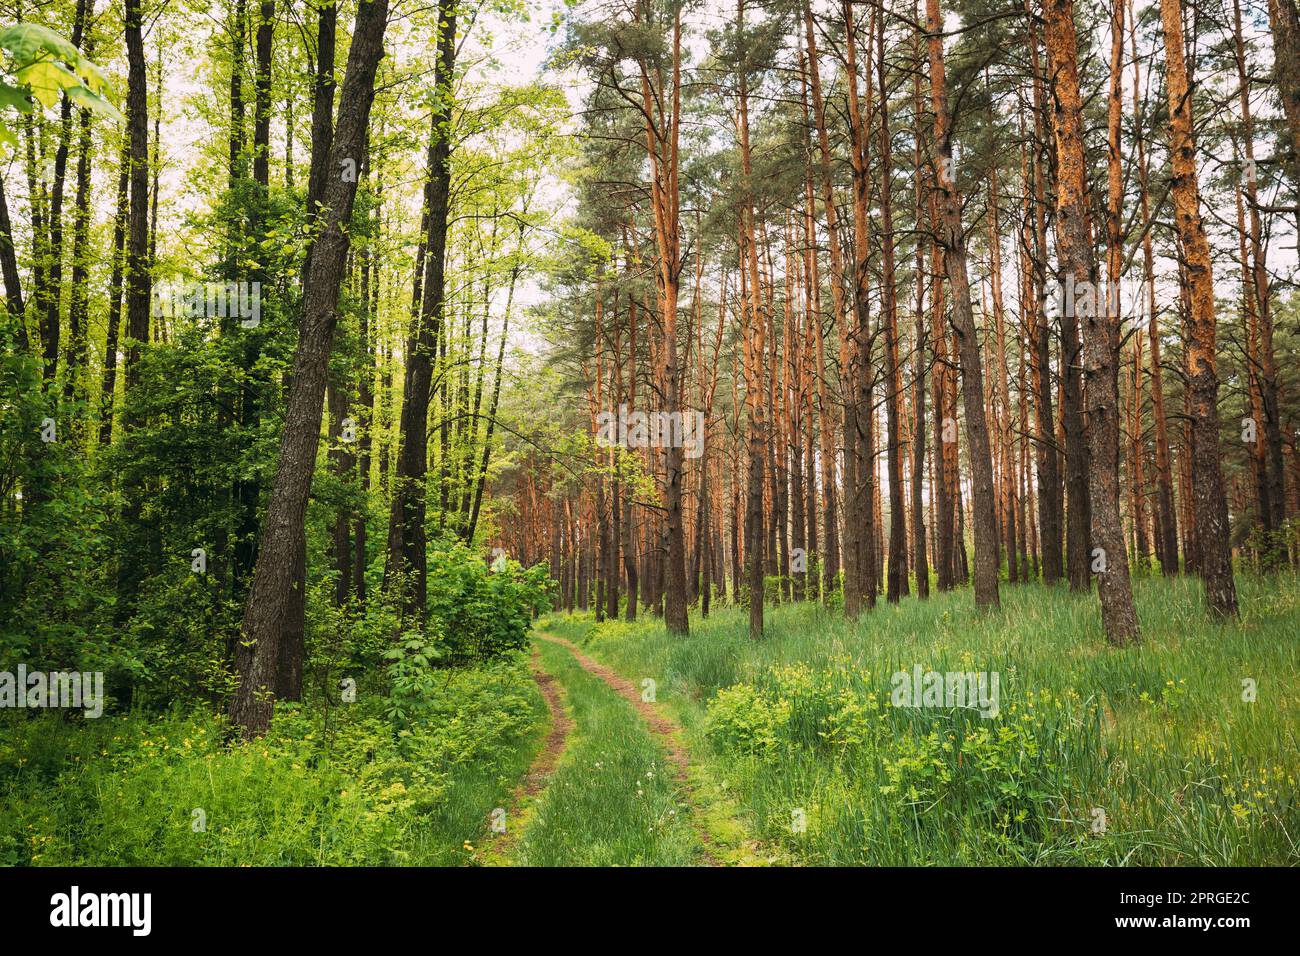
(649, 433)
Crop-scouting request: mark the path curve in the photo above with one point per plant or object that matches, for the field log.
(543, 765)
(667, 730)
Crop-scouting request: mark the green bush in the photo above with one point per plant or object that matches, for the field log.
(743, 721)
(483, 613)
(325, 787)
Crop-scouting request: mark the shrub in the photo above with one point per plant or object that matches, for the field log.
(742, 720)
(346, 786)
(484, 614)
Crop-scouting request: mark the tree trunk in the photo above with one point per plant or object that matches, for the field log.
(1214, 556)
(755, 346)
(662, 140)
(1167, 520)
(284, 531)
(407, 568)
(919, 555)
(138, 266)
(75, 381)
(1266, 371)
(953, 241)
(114, 321)
(830, 511)
(897, 581)
(1100, 322)
(1285, 26)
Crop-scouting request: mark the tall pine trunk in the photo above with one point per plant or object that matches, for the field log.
(952, 238)
(1100, 322)
(1213, 550)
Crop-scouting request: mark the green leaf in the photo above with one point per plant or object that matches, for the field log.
(26, 41)
(48, 63)
(46, 79)
(16, 97)
(95, 103)
(90, 74)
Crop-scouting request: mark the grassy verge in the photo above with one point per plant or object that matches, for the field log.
(1147, 755)
(355, 787)
(611, 801)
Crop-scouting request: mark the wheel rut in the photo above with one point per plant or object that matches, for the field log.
(533, 782)
(666, 730)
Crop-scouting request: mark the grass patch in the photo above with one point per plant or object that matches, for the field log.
(611, 801)
(350, 788)
(801, 728)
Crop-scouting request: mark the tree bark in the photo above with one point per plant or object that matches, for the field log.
(1285, 26)
(114, 321)
(897, 566)
(1266, 370)
(407, 568)
(284, 531)
(1214, 556)
(952, 238)
(137, 260)
(830, 510)
(1100, 322)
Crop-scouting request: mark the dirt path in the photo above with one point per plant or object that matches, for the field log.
(667, 730)
(543, 765)
(561, 723)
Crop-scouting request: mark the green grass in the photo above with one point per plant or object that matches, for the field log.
(1157, 737)
(359, 789)
(611, 800)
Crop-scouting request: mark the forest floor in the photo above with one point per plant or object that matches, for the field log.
(1181, 751)
(351, 785)
(504, 833)
(624, 791)
(624, 745)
